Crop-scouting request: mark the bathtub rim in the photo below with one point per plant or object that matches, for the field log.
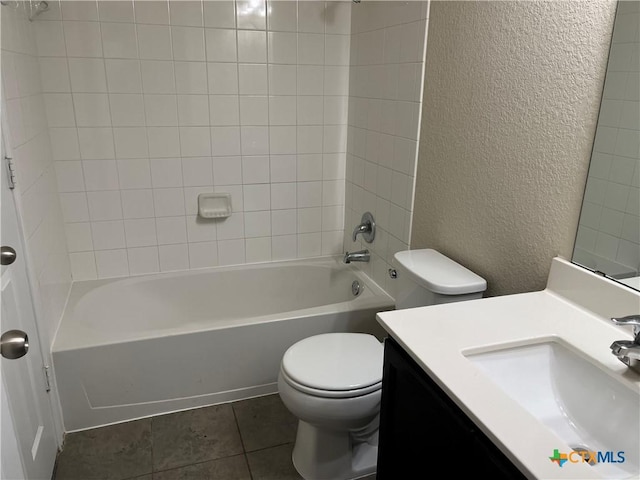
(373, 296)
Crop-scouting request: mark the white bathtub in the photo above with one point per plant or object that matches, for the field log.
(140, 346)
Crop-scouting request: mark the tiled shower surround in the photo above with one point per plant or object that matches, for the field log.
(150, 103)
(388, 41)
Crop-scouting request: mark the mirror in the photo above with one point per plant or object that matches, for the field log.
(607, 240)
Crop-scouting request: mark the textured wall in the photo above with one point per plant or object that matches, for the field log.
(511, 99)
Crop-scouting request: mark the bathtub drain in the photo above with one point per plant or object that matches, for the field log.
(356, 288)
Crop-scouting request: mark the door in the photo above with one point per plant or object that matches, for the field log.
(29, 451)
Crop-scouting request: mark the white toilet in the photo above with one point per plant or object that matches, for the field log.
(332, 382)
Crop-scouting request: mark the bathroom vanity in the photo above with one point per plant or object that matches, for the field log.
(420, 422)
(518, 386)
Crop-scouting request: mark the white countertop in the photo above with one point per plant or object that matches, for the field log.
(437, 338)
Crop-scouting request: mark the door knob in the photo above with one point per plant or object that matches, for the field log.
(14, 344)
(7, 255)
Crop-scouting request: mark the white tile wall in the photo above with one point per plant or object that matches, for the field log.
(608, 232)
(385, 74)
(151, 102)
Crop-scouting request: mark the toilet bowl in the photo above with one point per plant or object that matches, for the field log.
(333, 382)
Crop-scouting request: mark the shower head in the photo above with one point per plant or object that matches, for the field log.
(37, 8)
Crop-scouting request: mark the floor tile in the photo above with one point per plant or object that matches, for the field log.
(114, 452)
(273, 464)
(194, 436)
(264, 422)
(230, 468)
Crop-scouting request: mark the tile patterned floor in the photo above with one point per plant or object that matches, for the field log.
(245, 440)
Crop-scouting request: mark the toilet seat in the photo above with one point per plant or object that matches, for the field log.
(315, 392)
(335, 365)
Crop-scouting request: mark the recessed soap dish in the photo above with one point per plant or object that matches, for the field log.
(214, 205)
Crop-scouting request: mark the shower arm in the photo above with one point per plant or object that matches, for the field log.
(35, 8)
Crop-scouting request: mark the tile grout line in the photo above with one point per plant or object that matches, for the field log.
(235, 418)
(196, 463)
(244, 450)
(151, 442)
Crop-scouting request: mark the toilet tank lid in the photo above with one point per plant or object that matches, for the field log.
(438, 273)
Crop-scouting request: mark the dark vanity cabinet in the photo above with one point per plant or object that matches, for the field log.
(422, 429)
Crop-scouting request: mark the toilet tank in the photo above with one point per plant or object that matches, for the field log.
(427, 277)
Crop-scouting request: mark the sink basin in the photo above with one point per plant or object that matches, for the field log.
(585, 406)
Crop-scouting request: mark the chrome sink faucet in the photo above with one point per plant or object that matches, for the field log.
(360, 256)
(628, 351)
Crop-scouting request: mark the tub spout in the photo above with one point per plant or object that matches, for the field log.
(360, 256)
